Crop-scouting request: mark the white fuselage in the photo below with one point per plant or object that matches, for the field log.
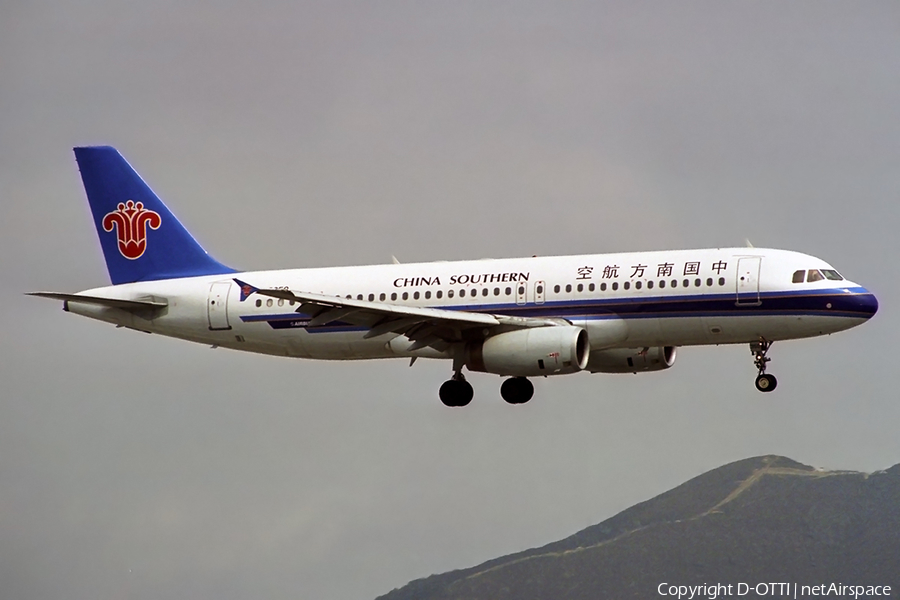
(625, 300)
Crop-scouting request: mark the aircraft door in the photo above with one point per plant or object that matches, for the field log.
(747, 281)
(539, 292)
(217, 305)
(521, 293)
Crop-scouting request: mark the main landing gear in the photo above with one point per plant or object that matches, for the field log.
(517, 390)
(764, 382)
(456, 391)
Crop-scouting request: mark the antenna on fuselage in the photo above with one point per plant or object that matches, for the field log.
(749, 245)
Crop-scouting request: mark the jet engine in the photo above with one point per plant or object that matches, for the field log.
(551, 350)
(631, 360)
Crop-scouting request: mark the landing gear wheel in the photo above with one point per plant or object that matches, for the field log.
(456, 392)
(517, 390)
(766, 383)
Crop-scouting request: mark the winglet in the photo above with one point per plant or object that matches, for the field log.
(246, 289)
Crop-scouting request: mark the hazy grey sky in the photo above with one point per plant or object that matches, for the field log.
(298, 134)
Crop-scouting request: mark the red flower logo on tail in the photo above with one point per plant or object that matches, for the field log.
(130, 221)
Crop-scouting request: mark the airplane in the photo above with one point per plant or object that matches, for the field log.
(518, 318)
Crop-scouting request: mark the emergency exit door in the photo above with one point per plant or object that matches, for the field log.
(521, 293)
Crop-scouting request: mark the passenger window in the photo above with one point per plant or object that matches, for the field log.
(686, 283)
(638, 285)
(626, 285)
(721, 281)
(814, 275)
(394, 296)
(462, 293)
(449, 293)
(649, 285)
(359, 296)
(371, 297)
(439, 294)
(381, 296)
(799, 276)
(709, 281)
(556, 289)
(281, 302)
(615, 285)
(269, 302)
(497, 291)
(484, 292)
(568, 287)
(415, 295)
(428, 295)
(662, 283)
(674, 283)
(602, 286)
(580, 287)
(832, 275)
(258, 303)
(697, 282)
(539, 290)
(521, 290)
(406, 295)
(509, 291)
(591, 287)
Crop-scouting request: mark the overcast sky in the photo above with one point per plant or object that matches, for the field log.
(297, 134)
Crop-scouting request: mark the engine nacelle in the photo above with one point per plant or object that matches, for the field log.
(631, 360)
(606, 332)
(551, 350)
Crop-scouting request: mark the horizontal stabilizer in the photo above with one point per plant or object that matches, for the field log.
(110, 302)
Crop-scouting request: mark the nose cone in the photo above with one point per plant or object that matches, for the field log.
(866, 303)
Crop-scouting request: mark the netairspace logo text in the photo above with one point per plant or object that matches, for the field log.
(772, 590)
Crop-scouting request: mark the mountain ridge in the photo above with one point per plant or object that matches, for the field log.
(763, 515)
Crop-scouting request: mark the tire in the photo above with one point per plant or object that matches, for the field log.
(456, 393)
(517, 390)
(466, 393)
(766, 383)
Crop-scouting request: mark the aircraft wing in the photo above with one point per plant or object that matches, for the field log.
(435, 327)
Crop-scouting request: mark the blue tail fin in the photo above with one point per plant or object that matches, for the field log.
(141, 239)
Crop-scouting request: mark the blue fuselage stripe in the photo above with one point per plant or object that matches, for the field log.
(852, 303)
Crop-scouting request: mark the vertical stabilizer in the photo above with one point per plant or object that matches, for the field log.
(141, 239)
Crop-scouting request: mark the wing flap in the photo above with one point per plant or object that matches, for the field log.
(400, 325)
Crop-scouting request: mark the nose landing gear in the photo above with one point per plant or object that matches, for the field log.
(764, 382)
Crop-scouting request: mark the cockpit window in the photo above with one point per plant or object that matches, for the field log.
(814, 275)
(799, 276)
(832, 275)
